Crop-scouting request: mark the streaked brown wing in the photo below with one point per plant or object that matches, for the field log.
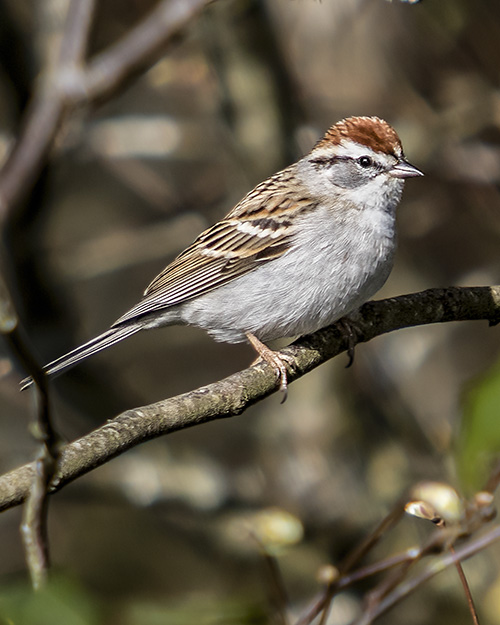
(257, 230)
(226, 251)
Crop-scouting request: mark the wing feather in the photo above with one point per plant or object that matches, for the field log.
(218, 256)
(257, 230)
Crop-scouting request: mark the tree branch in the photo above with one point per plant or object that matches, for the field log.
(233, 395)
(439, 564)
(108, 71)
(74, 82)
(65, 83)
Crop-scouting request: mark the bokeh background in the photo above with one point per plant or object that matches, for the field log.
(163, 534)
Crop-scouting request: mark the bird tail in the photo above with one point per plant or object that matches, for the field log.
(104, 340)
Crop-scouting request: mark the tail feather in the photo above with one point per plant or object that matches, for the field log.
(104, 340)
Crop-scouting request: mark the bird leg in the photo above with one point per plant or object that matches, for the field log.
(276, 360)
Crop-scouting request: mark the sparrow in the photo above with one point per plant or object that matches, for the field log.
(299, 252)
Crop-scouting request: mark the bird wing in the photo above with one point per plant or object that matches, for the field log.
(257, 230)
(221, 254)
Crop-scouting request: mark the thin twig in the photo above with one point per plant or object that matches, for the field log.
(26, 160)
(277, 592)
(43, 118)
(384, 526)
(76, 33)
(63, 86)
(109, 70)
(72, 83)
(46, 111)
(34, 524)
(437, 565)
(465, 585)
(322, 599)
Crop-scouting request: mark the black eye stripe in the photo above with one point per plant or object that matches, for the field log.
(329, 160)
(363, 161)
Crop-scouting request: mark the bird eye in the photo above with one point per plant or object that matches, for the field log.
(365, 161)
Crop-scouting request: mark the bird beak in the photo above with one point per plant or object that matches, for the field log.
(403, 169)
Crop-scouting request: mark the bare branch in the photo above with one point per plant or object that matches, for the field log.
(21, 170)
(28, 156)
(76, 33)
(231, 396)
(437, 565)
(71, 83)
(46, 111)
(472, 516)
(133, 53)
(34, 524)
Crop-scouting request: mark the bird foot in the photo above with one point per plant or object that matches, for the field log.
(349, 331)
(277, 361)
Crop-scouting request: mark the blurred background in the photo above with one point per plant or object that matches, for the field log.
(166, 533)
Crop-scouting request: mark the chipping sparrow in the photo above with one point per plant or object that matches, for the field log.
(301, 250)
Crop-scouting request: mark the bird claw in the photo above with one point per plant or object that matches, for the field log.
(349, 331)
(279, 363)
(276, 360)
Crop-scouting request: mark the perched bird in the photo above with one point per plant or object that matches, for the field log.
(300, 251)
